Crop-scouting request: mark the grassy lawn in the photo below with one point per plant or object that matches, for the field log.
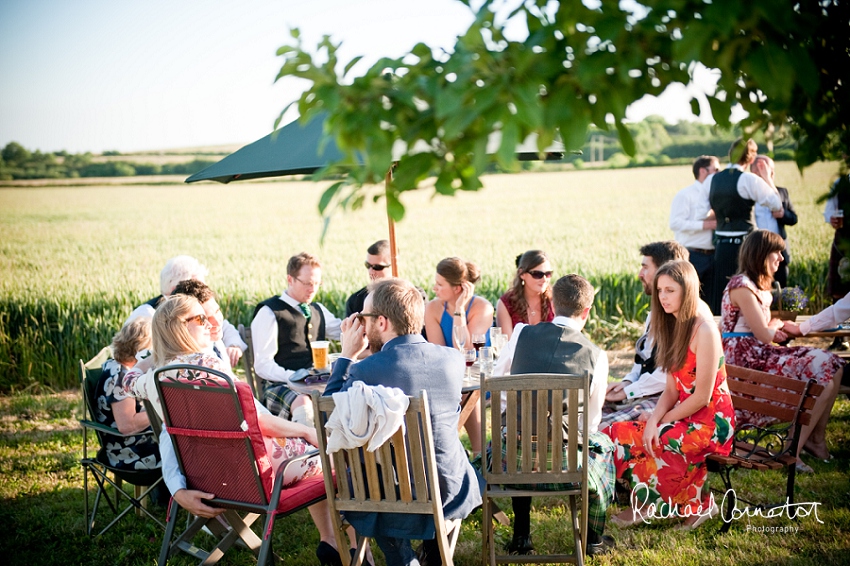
(41, 498)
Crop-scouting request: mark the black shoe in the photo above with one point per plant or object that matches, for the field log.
(839, 345)
(327, 555)
(603, 546)
(520, 545)
(428, 553)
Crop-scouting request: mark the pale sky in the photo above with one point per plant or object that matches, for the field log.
(130, 75)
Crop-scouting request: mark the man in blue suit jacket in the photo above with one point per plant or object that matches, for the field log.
(390, 326)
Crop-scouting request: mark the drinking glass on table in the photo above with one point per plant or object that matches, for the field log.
(469, 356)
(485, 362)
(478, 340)
(459, 334)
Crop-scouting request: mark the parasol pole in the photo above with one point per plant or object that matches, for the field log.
(391, 224)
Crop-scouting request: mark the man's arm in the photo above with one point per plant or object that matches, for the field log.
(333, 325)
(264, 337)
(231, 337)
(789, 218)
(647, 384)
(753, 187)
(189, 499)
(597, 391)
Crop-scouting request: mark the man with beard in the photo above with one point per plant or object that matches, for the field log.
(389, 324)
(640, 389)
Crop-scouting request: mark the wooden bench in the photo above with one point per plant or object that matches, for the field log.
(790, 402)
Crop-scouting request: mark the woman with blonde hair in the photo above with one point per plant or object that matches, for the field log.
(529, 300)
(181, 335)
(749, 333)
(665, 451)
(456, 305)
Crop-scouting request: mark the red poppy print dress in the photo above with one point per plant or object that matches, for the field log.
(677, 473)
(797, 362)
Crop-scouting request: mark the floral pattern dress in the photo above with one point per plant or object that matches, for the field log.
(123, 452)
(677, 473)
(798, 362)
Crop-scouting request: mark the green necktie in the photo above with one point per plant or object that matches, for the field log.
(305, 308)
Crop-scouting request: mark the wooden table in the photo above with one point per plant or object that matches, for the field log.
(470, 395)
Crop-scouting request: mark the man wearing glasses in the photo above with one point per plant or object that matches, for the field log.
(378, 264)
(389, 326)
(282, 330)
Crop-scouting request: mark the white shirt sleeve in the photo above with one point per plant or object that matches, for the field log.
(753, 187)
(830, 208)
(230, 336)
(830, 317)
(264, 336)
(147, 311)
(174, 480)
(765, 219)
(333, 325)
(598, 385)
(648, 384)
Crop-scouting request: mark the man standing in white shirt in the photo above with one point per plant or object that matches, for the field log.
(282, 330)
(693, 223)
(733, 195)
(764, 167)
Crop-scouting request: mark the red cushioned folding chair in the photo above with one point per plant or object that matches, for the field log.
(213, 425)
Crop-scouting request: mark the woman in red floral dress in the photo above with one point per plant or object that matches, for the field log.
(748, 333)
(662, 455)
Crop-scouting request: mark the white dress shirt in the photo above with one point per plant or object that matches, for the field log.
(264, 336)
(830, 208)
(751, 187)
(765, 219)
(830, 317)
(638, 385)
(689, 209)
(598, 382)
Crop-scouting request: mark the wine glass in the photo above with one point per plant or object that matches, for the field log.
(459, 334)
(478, 340)
(469, 357)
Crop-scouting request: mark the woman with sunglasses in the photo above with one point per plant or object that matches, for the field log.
(529, 300)
(181, 335)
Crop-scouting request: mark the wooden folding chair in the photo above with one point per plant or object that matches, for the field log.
(212, 422)
(248, 362)
(532, 455)
(399, 477)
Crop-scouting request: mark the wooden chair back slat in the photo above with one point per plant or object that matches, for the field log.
(399, 477)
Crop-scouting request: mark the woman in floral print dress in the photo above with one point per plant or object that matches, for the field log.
(662, 455)
(749, 333)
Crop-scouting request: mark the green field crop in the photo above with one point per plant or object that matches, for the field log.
(76, 260)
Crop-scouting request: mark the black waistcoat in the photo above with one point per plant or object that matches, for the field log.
(734, 213)
(294, 332)
(549, 348)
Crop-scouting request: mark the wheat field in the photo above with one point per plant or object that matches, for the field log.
(76, 260)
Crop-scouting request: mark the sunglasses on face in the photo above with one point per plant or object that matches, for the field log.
(376, 266)
(540, 274)
(361, 316)
(199, 319)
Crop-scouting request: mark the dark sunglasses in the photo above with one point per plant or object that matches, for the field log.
(199, 319)
(540, 274)
(361, 316)
(376, 267)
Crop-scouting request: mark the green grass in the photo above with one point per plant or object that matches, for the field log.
(74, 261)
(41, 506)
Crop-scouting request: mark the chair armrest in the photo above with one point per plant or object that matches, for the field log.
(294, 469)
(113, 431)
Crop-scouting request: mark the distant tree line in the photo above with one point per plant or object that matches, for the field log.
(17, 162)
(656, 143)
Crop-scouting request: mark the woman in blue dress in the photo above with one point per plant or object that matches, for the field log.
(456, 305)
